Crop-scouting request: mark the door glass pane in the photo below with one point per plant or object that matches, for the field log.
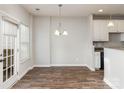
(12, 70)
(12, 60)
(4, 52)
(4, 63)
(9, 61)
(4, 46)
(12, 51)
(9, 72)
(4, 75)
(9, 52)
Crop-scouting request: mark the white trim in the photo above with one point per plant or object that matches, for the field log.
(12, 85)
(110, 84)
(92, 69)
(22, 74)
(4, 14)
(8, 84)
(65, 65)
(41, 65)
(68, 65)
(59, 65)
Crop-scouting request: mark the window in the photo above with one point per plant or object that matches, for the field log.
(24, 42)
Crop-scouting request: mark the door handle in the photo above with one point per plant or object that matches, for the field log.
(0, 54)
(1, 60)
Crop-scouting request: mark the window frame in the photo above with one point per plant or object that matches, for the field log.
(27, 42)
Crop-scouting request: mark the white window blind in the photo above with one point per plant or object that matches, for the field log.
(1, 40)
(10, 28)
(24, 42)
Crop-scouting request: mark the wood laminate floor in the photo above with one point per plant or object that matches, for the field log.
(62, 78)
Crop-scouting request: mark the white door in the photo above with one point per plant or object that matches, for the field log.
(1, 52)
(8, 53)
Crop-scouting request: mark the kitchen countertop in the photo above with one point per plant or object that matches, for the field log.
(119, 48)
(101, 49)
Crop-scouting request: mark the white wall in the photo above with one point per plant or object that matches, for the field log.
(19, 13)
(74, 49)
(41, 40)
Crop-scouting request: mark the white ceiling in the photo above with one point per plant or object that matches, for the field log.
(74, 9)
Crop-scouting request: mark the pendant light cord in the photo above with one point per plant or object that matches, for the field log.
(60, 5)
(110, 17)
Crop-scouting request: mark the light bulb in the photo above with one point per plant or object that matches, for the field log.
(100, 10)
(57, 33)
(65, 33)
(110, 24)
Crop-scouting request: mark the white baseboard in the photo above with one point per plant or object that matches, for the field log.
(20, 76)
(53, 65)
(92, 69)
(59, 65)
(41, 65)
(110, 84)
(67, 65)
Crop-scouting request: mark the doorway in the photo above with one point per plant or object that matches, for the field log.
(8, 52)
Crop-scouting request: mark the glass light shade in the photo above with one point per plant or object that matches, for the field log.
(110, 24)
(57, 33)
(65, 33)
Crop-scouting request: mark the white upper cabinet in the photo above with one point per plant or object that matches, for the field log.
(104, 31)
(118, 26)
(121, 25)
(96, 30)
(115, 27)
(100, 30)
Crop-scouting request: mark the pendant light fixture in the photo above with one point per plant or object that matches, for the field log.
(59, 31)
(110, 24)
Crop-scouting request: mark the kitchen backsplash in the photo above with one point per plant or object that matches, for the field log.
(114, 41)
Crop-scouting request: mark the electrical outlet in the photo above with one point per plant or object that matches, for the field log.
(77, 59)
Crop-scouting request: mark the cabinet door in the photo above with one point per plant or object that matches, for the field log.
(104, 31)
(96, 30)
(122, 37)
(100, 30)
(120, 25)
(115, 27)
